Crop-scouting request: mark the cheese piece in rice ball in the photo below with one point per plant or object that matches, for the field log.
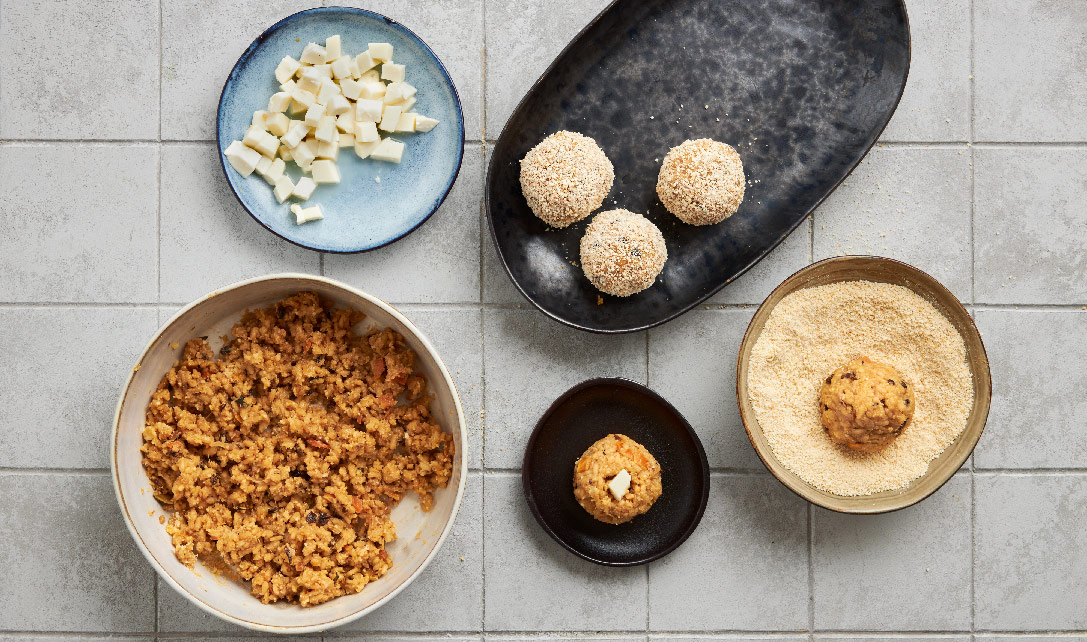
(617, 479)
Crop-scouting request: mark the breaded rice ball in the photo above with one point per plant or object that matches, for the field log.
(622, 252)
(617, 479)
(701, 181)
(565, 178)
(865, 405)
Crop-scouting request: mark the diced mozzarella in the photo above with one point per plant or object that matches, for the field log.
(406, 122)
(262, 165)
(242, 158)
(314, 54)
(371, 90)
(365, 62)
(353, 66)
(392, 94)
(314, 114)
(329, 90)
(366, 132)
(307, 214)
(408, 89)
(261, 141)
(331, 151)
(295, 134)
(288, 86)
(341, 68)
(276, 169)
(296, 109)
(381, 51)
(285, 153)
(304, 153)
(326, 130)
(279, 102)
(258, 119)
(390, 116)
(311, 80)
(407, 104)
(347, 140)
(392, 71)
(284, 188)
(332, 47)
(346, 123)
(363, 150)
(620, 484)
(325, 71)
(350, 88)
(368, 110)
(424, 123)
(372, 75)
(324, 171)
(304, 188)
(303, 97)
(286, 69)
(277, 123)
(388, 150)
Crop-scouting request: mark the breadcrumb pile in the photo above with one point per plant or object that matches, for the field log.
(565, 178)
(701, 181)
(622, 253)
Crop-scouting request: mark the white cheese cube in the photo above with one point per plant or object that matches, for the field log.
(304, 153)
(424, 124)
(258, 119)
(389, 150)
(329, 90)
(368, 110)
(346, 123)
(390, 116)
(314, 54)
(353, 66)
(285, 153)
(296, 109)
(311, 80)
(262, 165)
(314, 114)
(332, 47)
(303, 97)
(407, 104)
(261, 141)
(304, 188)
(381, 51)
(305, 215)
(276, 169)
(350, 88)
(324, 71)
(363, 150)
(371, 90)
(392, 71)
(288, 86)
(373, 75)
(241, 158)
(620, 484)
(346, 140)
(406, 123)
(324, 171)
(286, 69)
(365, 62)
(284, 188)
(331, 151)
(295, 133)
(341, 68)
(366, 132)
(337, 105)
(392, 94)
(408, 89)
(326, 130)
(279, 102)
(277, 124)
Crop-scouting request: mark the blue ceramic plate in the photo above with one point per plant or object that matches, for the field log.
(361, 213)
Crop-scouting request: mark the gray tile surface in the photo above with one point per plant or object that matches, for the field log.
(533, 584)
(74, 70)
(903, 571)
(63, 369)
(73, 231)
(745, 568)
(1030, 227)
(1029, 57)
(757, 283)
(1029, 563)
(692, 364)
(69, 564)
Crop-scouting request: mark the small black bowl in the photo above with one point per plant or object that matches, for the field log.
(582, 415)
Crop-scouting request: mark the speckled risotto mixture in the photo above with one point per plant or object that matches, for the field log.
(283, 458)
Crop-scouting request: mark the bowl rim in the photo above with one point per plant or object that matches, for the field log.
(391, 23)
(803, 492)
(138, 539)
(526, 469)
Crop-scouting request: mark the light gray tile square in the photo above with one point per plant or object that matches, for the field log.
(757, 283)
(63, 370)
(692, 364)
(497, 286)
(734, 637)
(69, 563)
(533, 584)
(208, 239)
(80, 223)
(439, 262)
(522, 40)
(1030, 228)
(79, 70)
(1030, 57)
(201, 41)
(1029, 540)
(448, 596)
(177, 614)
(935, 105)
(829, 637)
(1031, 638)
(72, 638)
(529, 361)
(565, 636)
(454, 30)
(745, 568)
(923, 552)
(905, 203)
(1038, 417)
(245, 638)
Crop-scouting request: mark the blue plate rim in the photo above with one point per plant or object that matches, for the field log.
(392, 23)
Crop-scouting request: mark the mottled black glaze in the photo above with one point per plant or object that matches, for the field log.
(586, 413)
(802, 89)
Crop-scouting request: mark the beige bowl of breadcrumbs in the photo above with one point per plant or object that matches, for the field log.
(828, 314)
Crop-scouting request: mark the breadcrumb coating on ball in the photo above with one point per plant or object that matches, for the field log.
(565, 178)
(701, 181)
(622, 253)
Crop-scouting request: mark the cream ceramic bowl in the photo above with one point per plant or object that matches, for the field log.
(213, 316)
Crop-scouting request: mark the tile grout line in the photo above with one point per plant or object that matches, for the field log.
(811, 573)
(158, 214)
(973, 190)
(973, 547)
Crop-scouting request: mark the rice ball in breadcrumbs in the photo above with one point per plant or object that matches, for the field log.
(616, 479)
(565, 178)
(622, 252)
(701, 181)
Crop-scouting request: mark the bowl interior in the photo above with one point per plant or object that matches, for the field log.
(360, 212)
(213, 317)
(867, 268)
